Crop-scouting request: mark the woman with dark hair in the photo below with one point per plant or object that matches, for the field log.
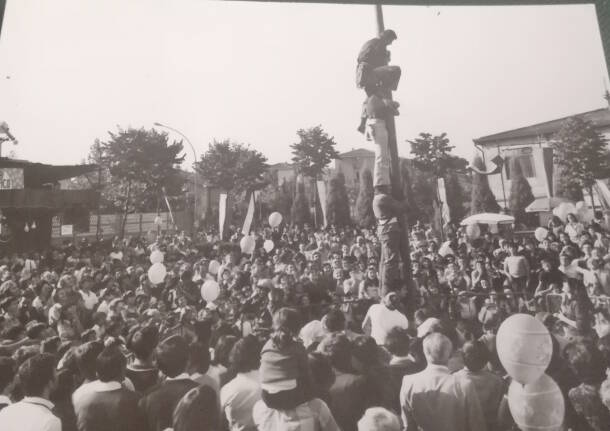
(220, 363)
(576, 308)
(586, 363)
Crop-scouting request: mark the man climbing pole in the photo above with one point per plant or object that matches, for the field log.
(378, 78)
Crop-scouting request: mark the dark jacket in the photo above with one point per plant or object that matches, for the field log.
(159, 403)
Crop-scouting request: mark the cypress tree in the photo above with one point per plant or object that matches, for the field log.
(483, 199)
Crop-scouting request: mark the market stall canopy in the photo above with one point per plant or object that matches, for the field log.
(37, 175)
(544, 204)
(488, 218)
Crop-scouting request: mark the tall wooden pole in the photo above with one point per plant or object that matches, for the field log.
(396, 181)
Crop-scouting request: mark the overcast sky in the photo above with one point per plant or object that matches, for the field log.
(71, 70)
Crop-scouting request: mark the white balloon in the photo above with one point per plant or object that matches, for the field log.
(213, 267)
(541, 233)
(268, 246)
(157, 273)
(156, 257)
(210, 290)
(275, 219)
(247, 244)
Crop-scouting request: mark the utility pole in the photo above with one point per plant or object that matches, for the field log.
(395, 178)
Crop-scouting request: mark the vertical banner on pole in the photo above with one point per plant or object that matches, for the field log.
(603, 193)
(442, 194)
(222, 213)
(540, 166)
(249, 216)
(169, 208)
(321, 185)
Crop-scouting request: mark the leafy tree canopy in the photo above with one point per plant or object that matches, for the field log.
(313, 152)
(581, 152)
(233, 167)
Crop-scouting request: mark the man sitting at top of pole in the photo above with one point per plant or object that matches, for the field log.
(375, 75)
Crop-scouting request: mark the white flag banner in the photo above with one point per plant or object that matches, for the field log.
(249, 216)
(603, 193)
(321, 185)
(540, 166)
(169, 208)
(442, 193)
(222, 213)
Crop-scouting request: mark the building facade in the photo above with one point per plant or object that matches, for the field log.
(531, 146)
(352, 163)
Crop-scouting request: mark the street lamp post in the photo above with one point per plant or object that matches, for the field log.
(195, 182)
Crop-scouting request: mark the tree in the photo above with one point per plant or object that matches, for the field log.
(337, 205)
(432, 155)
(142, 166)
(233, 167)
(582, 153)
(483, 199)
(312, 154)
(564, 186)
(364, 203)
(299, 212)
(455, 196)
(520, 193)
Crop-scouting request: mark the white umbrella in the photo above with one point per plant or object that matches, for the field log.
(488, 218)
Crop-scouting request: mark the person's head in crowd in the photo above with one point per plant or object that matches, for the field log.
(334, 321)
(398, 342)
(142, 342)
(37, 376)
(172, 356)
(197, 410)
(585, 361)
(8, 368)
(391, 301)
(476, 355)
(379, 419)
(199, 358)
(286, 326)
(338, 349)
(245, 355)
(420, 316)
(365, 353)
(86, 355)
(222, 350)
(110, 364)
(437, 349)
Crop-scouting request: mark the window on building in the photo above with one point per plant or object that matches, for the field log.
(525, 158)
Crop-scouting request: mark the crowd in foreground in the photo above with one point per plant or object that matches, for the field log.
(300, 336)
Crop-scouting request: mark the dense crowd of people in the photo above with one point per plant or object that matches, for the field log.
(300, 336)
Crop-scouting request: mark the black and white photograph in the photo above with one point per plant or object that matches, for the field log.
(268, 215)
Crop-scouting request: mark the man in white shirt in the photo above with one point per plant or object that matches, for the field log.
(90, 299)
(238, 397)
(381, 318)
(34, 413)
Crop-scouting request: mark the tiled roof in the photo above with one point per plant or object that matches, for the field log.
(359, 152)
(599, 118)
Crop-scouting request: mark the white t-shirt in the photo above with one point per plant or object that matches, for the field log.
(90, 299)
(382, 320)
